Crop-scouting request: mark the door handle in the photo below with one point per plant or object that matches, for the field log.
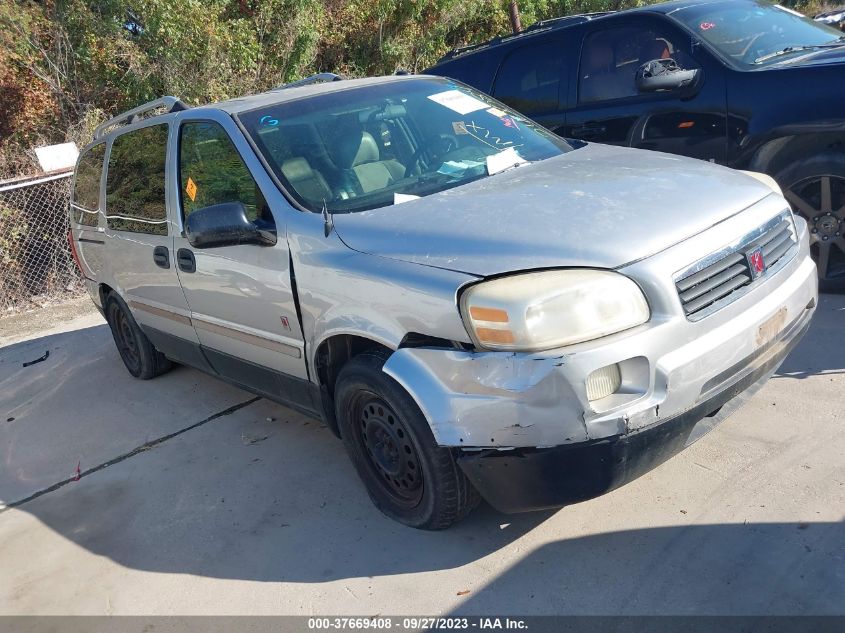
(588, 130)
(185, 260)
(161, 256)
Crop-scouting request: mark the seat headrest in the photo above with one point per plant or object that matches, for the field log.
(297, 169)
(354, 149)
(600, 57)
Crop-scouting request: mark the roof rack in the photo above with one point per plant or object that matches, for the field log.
(566, 19)
(171, 104)
(542, 25)
(319, 78)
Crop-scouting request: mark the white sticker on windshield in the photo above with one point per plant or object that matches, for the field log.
(503, 160)
(399, 198)
(458, 101)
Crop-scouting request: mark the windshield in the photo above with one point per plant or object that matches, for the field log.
(756, 33)
(373, 146)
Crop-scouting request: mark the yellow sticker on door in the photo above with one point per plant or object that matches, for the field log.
(191, 190)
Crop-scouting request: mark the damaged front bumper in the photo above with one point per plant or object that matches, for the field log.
(527, 479)
(530, 437)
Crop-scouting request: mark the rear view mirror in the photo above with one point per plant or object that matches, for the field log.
(225, 224)
(665, 75)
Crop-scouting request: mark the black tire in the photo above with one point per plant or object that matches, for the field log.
(815, 187)
(141, 358)
(408, 477)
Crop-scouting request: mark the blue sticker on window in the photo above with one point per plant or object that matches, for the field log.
(268, 121)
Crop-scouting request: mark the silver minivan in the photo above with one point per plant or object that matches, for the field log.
(478, 308)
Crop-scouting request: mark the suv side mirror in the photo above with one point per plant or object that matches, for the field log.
(226, 224)
(665, 75)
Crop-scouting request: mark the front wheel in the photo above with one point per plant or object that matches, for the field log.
(408, 477)
(815, 187)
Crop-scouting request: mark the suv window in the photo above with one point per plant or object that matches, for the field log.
(610, 59)
(135, 192)
(529, 79)
(211, 171)
(86, 188)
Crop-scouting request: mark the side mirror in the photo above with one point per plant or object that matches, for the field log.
(665, 75)
(225, 224)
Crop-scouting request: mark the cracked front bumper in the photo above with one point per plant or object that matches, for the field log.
(525, 479)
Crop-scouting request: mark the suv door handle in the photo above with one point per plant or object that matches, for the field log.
(185, 260)
(161, 256)
(588, 130)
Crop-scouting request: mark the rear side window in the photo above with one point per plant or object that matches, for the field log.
(211, 171)
(86, 188)
(530, 78)
(135, 191)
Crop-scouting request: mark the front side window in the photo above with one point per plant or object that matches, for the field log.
(135, 193)
(754, 34)
(529, 79)
(376, 145)
(86, 186)
(211, 171)
(610, 59)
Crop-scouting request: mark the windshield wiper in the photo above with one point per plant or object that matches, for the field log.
(798, 49)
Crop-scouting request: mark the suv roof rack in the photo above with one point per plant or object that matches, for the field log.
(542, 25)
(319, 78)
(171, 104)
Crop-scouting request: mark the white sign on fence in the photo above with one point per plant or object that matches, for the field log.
(56, 157)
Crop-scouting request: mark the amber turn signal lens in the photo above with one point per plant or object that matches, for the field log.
(491, 315)
(488, 335)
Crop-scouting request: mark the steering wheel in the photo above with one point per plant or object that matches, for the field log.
(438, 146)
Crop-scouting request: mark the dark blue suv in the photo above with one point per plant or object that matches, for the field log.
(745, 83)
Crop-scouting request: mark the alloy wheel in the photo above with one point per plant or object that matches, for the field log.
(821, 201)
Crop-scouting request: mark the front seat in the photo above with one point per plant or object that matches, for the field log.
(598, 78)
(306, 181)
(359, 154)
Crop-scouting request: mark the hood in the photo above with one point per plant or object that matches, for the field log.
(598, 206)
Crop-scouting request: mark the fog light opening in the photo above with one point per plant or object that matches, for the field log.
(604, 382)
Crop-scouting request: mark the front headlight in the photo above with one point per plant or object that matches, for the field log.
(536, 311)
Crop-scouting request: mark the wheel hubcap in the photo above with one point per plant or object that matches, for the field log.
(821, 201)
(390, 451)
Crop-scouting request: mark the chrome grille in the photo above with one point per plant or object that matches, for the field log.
(724, 277)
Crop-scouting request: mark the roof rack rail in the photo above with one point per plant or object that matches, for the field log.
(319, 78)
(171, 104)
(534, 28)
(566, 19)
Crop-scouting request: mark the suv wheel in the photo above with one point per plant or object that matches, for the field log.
(408, 477)
(141, 358)
(815, 187)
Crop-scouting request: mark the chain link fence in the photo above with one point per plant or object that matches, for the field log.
(36, 266)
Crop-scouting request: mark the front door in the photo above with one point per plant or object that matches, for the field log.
(609, 109)
(240, 296)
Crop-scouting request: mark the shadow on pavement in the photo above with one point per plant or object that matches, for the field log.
(736, 569)
(821, 349)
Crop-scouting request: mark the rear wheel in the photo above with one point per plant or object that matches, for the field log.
(815, 187)
(408, 477)
(140, 357)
